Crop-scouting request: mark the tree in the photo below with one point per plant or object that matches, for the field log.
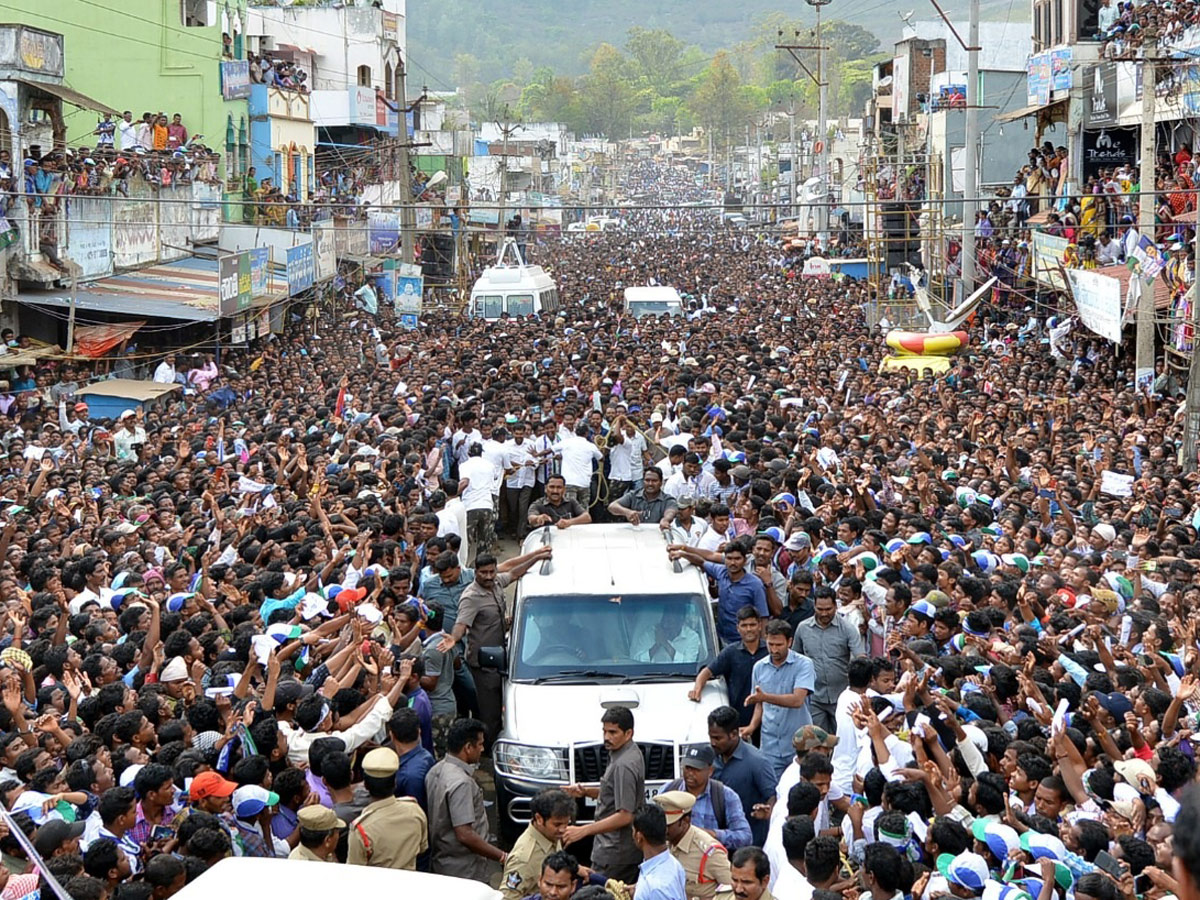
(718, 102)
(607, 92)
(522, 71)
(656, 56)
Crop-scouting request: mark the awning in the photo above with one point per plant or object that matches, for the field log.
(292, 48)
(70, 95)
(96, 340)
(186, 289)
(128, 389)
(1028, 111)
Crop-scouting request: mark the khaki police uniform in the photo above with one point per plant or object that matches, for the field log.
(316, 819)
(524, 865)
(704, 860)
(390, 833)
(302, 852)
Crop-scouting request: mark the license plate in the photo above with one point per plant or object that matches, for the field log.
(651, 791)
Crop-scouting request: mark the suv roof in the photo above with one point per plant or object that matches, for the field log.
(616, 558)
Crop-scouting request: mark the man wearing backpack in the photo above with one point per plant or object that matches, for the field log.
(718, 809)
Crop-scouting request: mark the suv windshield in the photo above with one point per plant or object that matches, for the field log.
(628, 636)
(641, 308)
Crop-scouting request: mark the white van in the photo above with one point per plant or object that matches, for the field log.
(512, 288)
(654, 300)
(584, 626)
(248, 877)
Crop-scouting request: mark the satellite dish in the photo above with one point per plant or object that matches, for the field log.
(885, 81)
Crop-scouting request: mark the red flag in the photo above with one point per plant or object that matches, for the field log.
(340, 407)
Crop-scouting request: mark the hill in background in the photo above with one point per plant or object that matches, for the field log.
(562, 34)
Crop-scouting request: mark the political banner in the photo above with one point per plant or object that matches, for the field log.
(245, 281)
(1098, 302)
(324, 251)
(1146, 259)
(228, 283)
(383, 231)
(260, 261)
(408, 293)
(299, 268)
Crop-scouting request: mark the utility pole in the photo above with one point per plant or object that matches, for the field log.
(821, 160)
(822, 132)
(506, 130)
(971, 163)
(408, 215)
(1191, 404)
(795, 158)
(1144, 355)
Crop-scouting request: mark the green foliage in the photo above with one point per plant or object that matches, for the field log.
(650, 80)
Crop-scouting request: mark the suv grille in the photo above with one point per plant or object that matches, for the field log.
(592, 759)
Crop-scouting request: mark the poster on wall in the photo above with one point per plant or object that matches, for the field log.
(229, 283)
(1038, 80)
(260, 261)
(1100, 97)
(299, 268)
(324, 251)
(1060, 69)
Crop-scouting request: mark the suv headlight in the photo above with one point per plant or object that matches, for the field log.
(523, 761)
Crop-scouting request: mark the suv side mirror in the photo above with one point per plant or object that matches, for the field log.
(493, 658)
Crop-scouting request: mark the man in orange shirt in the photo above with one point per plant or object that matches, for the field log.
(160, 132)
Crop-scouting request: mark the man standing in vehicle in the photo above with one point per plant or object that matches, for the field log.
(649, 504)
(556, 509)
(483, 618)
(621, 792)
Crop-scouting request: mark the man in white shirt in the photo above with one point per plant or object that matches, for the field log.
(496, 453)
(719, 530)
(127, 128)
(690, 478)
(476, 477)
(129, 436)
(466, 435)
(1131, 236)
(1108, 251)
(166, 373)
(845, 754)
(672, 462)
(621, 448)
(578, 455)
(520, 483)
(458, 512)
(542, 447)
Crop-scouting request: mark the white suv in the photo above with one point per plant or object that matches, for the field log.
(590, 631)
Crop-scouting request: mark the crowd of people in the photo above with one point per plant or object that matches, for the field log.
(1124, 27)
(955, 613)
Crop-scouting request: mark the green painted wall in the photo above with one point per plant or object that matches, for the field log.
(138, 55)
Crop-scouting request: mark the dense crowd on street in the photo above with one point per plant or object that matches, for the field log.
(955, 614)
